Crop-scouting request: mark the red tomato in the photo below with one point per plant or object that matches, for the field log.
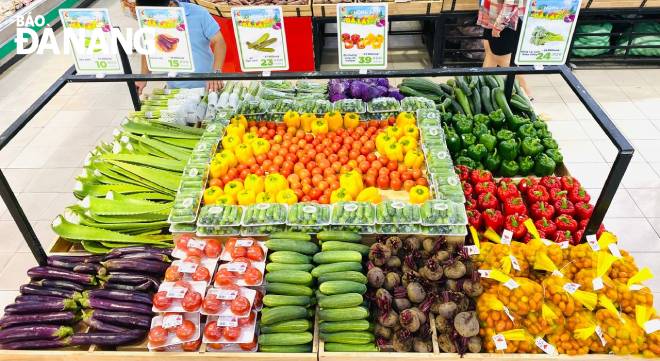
(383, 181)
(161, 301)
(324, 199)
(252, 276)
(255, 253)
(158, 336)
(395, 174)
(406, 175)
(246, 320)
(193, 259)
(172, 274)
(211, 304)
(316, 179)
(416, 173)
(237, 252)
(243, 260)
(315, 193)
(376, 164)
(240, 305)
(213, 248)
(392, 165)
(185, 330)
(384, 171)
(182, 243)
(422, 182)
(323, 185)
(225, 277)
(216, 182)
(191, 346)
(395, 183)
(364, 166)
(212, 331)
(201, 274)
(191, 301)
(371, 157)
(334, 185)
(195, 252)
(249, 346)
(407, 184)
(370, 180)
(232, 333)
(183, 284)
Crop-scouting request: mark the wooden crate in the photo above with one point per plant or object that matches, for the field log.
(460, 5)
(611, 4)
(223, 10)
(394, 8)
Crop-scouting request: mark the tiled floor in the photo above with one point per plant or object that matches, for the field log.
(42, 161)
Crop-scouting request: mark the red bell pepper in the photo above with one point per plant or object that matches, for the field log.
(514, 223)
(487, 200)
(565, 222)
(563, 236)
(568, 182)
(525, 183)
(480, 175)
(470, 203)
(583, 224)
(537, 193)
(583, 210)
(557, 193)
(515, 205)
(474, 218)
(550, 181)
(564, 206)
(494, 219)
(506, 191)
(507, 180)
(579, 194)
(467, 189)
(546, 227)
(485, 187)
(578, 237)
(462, 171)
(542, 210)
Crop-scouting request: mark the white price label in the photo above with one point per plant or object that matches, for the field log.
(471, 250)
(614, 250)
(440, 206)
(177, 292)
(484, 273)
(635, 287)
(593, 242)
(508, 313)
(507, 235)
(193, 172)
(227, 321)
(148, 114)
(599, 333)
(171, 321)
(500, 342)
(511, 284)
(244, 242)
(563, 245)
(557, 273)
(239, 267)
(571, 287)
(545, 347)
(397, 204)
(597, 283)
(652, 326)
(351, 207)
(223, 293)
(196, 243)
(547, 242)
(514, 262)
(309, 209)
(188, 202)
(215, 210)
(187, 267)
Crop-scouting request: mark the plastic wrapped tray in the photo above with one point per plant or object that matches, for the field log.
(349, 106)
(443, 217)
(428, 117)
(252, 109)
(357, 217)
(285, 86)
(186, 205)
(448, 187)
(219, 219)
(308, 217)
(411, 104)
(315, 106)
(396, 217)
(308, 86)
(279, 107)
(263, 219)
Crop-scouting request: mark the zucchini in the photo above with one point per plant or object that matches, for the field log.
(341, 301)
(472, 81)
(288, 289)
(423, 85)
(336, 267)
(287, 349)
(499, 80)
(344, 314)
(520, 106)
(485, 100)
(339, 287)
(282, 313)
(502, 103)
(447, 88)
(274, 266)
(456, 107)
(343, 236)
(343, 276)
(462, 85)
(300, 325)
(337, 256)
(476, 101)
(350, 337)
(282, 300)
(304, 247)
(284, 339)
(289, 257)
(491, 82)
(444, 106)
(289, 276)
(339, 326)
(344, 347)
(344, 246)
(298, 236)
(461, 98)
(408, 91)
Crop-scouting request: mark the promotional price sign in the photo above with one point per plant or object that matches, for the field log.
(362, 35)
(260, 38)
(92, 27)
(546, 33)
(169, 47)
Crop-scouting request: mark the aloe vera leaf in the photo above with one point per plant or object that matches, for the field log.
(119, 174)
(171, 150)
(69, 230)
(179, 142)
(146, 149)
(142, 128)
(119, 227)
(144, 217)
(97, 190)
(153, 196)
(164, 178)
(109, 207)
(94, 247)
(157, 162)
(179, 127)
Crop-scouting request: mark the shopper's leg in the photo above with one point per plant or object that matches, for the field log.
(505, 61)
(489, 57)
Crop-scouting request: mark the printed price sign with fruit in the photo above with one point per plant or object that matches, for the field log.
(260, 38)
(92, 27)
(362, 36)
(169, 47)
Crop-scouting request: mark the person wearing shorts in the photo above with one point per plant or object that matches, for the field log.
(501, 20)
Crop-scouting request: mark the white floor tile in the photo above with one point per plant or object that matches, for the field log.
(638, 129)
(623, 206)
(649, 149)
(6, 297)
(590, 175)
(641, 175)
(554, 111)
(609, 152)
(13, 276)
(579, 151)
(635, 234)
(622, 110)
(568, 130)
(53, 180)
(648, 200)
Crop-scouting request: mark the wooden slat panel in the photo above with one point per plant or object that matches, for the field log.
(394, 8)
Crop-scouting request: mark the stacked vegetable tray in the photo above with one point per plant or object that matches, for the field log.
(333, 221)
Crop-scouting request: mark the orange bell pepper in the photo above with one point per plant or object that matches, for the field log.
(405, 118)
(228, 156)
(408, 143)
(264, 197)
(218, 168)
(340, 194)
(411, 130)
(248, 138)
(239, 120)
(351, 120)
(243, 153)
(306, 120)
(291, 119)
(225, 199)
(230, 141)
(352, 182)
(394, 151)
(419, 194)
(254, 183)
(334, 119)
(274, 183)
(319, 126)
(369, 194)
(211, 194)
(245, 197)
(414, 159)
(260, 146)
(233, 187)
(236, 129)
(287, 196)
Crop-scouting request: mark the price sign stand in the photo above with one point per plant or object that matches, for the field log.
(362, 36)
(260, 38)
(169, 49)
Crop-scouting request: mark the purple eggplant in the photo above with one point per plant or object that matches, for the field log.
(140, 297)
(77, 259)
(61, 264)
(37, 298)
(143, 287)
(136, 265)
(148, 256)
(112, 305)
(65, 304)
(120, 252)
(34, 332)
(131, 278)
(59, 284)
(60, 274)
(107, 338)
(89, 268)
(63, 317)
(36, 344)
(103, 326)
(120, 318)
(31, 289)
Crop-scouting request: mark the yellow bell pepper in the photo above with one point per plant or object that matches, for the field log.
(383, 141)
(340, 194)
(230, 141)
(414, 159)
(408, 143)
(274, 183)
(394, 151)
(264, 197)
(411, 131)
(218, 168)
(260, 146)
(394, 132)
(236, 129)
(320, 126)
(306, 121)
(419, 194)
(351, 120)
(248, 138)
(228, 156)
(254, 183)
(405, 118)
(334, 119)
(245, 197)
(369, 194)
(239, 120)
(211, 194)
(287, 196)
(243, 153)
(291, 119)
(352, 182)
(225, 199)
(233, 187)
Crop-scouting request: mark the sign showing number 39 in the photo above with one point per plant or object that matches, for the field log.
(362, 32)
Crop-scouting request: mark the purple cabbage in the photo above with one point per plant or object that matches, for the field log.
(365, 89)
(394, 93)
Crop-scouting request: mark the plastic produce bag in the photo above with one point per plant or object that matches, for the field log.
(604, 40)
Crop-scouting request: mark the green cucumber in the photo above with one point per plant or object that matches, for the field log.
(336, 267)
(341, 300)
(343, 276)
(304, 247)
(485, 100)
(339, 326)
(288, 289)
(282, 313)
(343, 236)
(500, 98)
(350, 337)
(288, 349)
(284, 339)
(282, 300)
(298, 236)
(344, 246)
(300, 325)
(476, 101)
(339, 287)
(344, 314)
(345, 347)
(274, 266)
(289, 257)
(289, 276)
(337, 256)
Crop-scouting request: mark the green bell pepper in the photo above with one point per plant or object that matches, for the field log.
(509, 168)
(482, 118)
(504, 134)
(477, 152)
(468, 139)
(549, 143)
(493, 161)
(497, 118)
(463, 126)
(525, 165)
(527, 131)
(516, 122)
(531, 146)
(543, 133)
(555, 155)
(453, 140)
(508, 149)
(479, 129)
(489, 140)
(539, 124)
(466, 161)
(458, 117)
(446, 117)
(463, 153)
(544, 165)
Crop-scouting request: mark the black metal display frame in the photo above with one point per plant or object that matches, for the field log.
(624, 148)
